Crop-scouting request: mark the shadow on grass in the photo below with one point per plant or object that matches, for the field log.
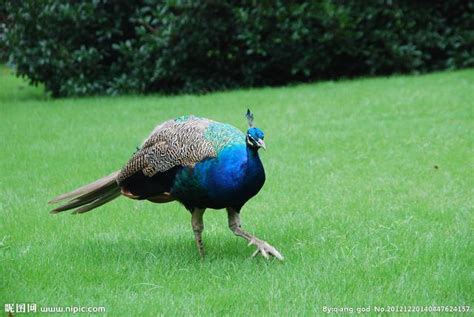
(144, 252)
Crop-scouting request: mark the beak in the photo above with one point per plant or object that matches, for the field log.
(261, 144)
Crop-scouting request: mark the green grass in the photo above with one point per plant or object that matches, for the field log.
(369, 196)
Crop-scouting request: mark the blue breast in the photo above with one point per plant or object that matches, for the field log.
(228, 180)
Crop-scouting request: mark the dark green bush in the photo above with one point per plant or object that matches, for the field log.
(99, 46)
(3, 20)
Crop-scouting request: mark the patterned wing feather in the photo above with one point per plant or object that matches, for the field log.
(175, 142)
(222, 135)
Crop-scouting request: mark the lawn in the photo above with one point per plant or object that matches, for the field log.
(369, 196)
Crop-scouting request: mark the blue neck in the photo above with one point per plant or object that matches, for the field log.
(231, 179)
(253, 160)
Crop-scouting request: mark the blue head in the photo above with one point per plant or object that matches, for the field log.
(254, 135)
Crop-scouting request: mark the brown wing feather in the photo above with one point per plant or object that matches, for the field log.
(178, 142)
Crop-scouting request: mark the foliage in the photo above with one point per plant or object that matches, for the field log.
(3, 20)
(98, 46)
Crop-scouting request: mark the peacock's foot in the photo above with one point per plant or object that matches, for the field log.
(265, 249)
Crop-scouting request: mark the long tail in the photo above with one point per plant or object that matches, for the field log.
(90, 196)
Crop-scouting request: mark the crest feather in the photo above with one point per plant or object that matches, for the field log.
(249, 116)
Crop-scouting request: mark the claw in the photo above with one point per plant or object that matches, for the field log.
(265, 249)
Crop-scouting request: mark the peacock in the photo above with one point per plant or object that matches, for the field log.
(196, 161)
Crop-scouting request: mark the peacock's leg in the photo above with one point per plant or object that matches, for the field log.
(198, 227)
(262, 247)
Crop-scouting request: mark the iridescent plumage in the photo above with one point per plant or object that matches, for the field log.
(196, 161)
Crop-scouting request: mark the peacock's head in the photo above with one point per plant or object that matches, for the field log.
(254, 135)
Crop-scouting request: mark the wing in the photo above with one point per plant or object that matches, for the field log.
(178, 142)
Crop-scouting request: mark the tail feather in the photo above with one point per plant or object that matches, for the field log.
(89, 196)
(98, 202)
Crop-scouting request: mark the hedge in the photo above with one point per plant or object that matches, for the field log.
(114, 47)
